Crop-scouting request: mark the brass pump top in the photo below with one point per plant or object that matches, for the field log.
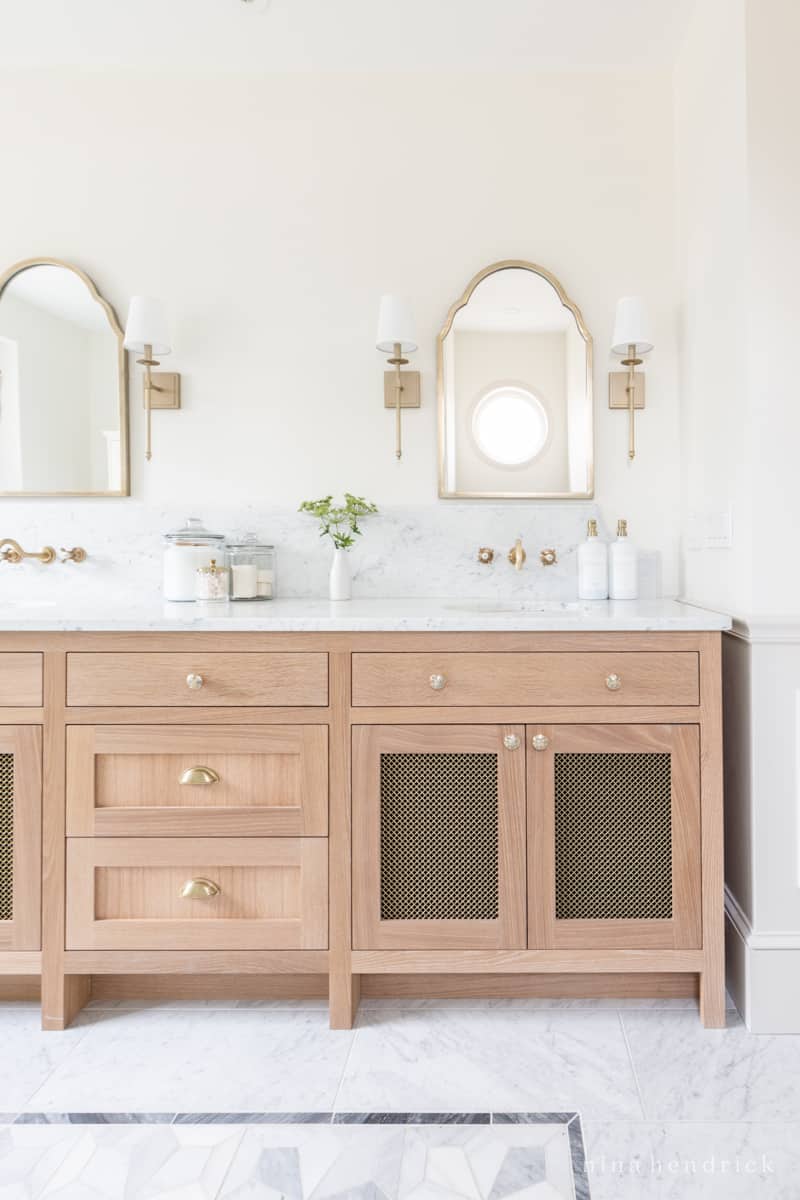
(592, 528)
(622, 528)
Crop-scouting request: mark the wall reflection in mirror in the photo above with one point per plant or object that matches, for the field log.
(63, 395)
(515, 389)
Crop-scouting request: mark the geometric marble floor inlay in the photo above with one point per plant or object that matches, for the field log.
(423, 1100)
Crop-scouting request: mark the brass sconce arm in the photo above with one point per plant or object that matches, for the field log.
(11, 551)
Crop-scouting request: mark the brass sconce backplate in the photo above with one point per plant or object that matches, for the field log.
(411, 390)
(166, 391)
(617, 389)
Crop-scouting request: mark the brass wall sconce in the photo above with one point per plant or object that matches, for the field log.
(146, 333)
(626, 388)
(397, 337)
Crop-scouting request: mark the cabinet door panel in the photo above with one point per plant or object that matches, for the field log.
(614, 836)
(20, 837)
(438, 837)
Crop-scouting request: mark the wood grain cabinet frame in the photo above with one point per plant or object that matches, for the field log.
(614, 844)
(126, 894)
(20, 837)
(258, 781)
(20, 680)
(414, 787)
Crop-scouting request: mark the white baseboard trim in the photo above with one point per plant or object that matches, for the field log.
(753, 940)
(763, 973)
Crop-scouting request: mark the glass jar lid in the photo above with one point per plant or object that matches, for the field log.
(247, 541)
(194, 533)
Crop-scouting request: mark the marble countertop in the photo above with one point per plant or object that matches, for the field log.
(368, 615)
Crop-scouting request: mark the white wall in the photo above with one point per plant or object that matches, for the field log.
(270, 213)
(738, 199)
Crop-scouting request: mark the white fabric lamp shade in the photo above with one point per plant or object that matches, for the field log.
(395, 324)
(147, 326)
(631, 326)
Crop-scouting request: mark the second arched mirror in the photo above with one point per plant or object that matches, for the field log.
(515, 390)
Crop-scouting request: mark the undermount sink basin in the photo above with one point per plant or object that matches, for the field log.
(514, 606)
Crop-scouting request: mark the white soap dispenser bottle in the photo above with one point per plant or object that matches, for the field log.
(592, 566)
(622, 571)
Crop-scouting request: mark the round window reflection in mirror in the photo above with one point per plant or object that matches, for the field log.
(509, 425)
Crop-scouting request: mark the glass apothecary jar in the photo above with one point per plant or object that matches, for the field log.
(253, 569)
(211, 582)
(185, 550)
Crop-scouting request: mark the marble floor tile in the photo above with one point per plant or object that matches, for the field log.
(27, 1054)
(211, 1061)
(693, 1161)
(379, 1162)
(115, 1162)
(444, 1061)
(688, 1073)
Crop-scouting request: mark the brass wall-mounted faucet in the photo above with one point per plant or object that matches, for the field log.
(11, 551)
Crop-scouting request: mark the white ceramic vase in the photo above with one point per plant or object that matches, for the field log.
(341, 584)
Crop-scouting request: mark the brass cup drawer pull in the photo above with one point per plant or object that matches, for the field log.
(437, 682)
(511, 741)
(199, 889)
(199, 777)
(613, 682)
(194, 681)
(540, 741)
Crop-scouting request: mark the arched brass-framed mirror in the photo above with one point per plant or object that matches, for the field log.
(514, 382)
(63, 385)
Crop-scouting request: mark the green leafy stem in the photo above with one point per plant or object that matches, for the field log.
(339, 522)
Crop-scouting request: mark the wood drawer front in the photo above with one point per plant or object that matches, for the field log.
(21, 680)
(153, 680)
(528, 678)
(125, 894)
(125, 781)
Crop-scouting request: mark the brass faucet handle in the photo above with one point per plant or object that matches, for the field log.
(548, 557)
(485, 555)
(76, 554)
(517, 555)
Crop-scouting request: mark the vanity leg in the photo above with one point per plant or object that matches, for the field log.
(62, 1003)
(712, 999)
(343, 985)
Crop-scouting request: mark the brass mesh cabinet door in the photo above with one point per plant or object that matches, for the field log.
(614, 817)
(438, 837)
(20, 837)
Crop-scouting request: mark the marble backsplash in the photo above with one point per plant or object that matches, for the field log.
(405, 552)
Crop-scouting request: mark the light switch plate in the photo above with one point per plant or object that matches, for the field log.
(709, 531)
(411, 390)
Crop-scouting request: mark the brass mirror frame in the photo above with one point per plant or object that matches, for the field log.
(122, 374)
(506, 265)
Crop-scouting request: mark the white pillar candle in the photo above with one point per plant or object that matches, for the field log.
(245, 581)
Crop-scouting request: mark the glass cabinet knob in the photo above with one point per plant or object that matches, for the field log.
(194, 682)
(540, 742)
(511, 741)
(437, 682)
(613, 682)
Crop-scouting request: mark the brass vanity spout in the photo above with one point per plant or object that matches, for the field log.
(11, 551)
(517, 555)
